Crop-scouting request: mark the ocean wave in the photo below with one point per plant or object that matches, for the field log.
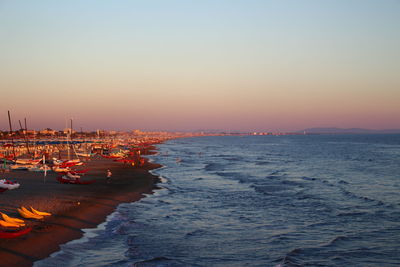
(228, 174)
(156, 261)
(309, 178)
(123, 228)
(365, 199)
(352, 214)
(291, 260)
(214, 167)
(276, 172)
(269, 189)
(234, 158)
(261, 163)
(197, 232)
(292, 183)
(302, 195)
(340, 249)
(322, 224)
(275, 176)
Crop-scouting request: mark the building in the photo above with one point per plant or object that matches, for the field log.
(47, 131)
(69, 131)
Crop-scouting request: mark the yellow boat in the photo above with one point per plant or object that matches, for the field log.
(12, 220)
(41, 213)
(8, 224)
(28, 215)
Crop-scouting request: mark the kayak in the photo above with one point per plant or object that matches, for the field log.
(28, 214)
(41, 213)
(14, 234)
(12, 220)
(74, 181)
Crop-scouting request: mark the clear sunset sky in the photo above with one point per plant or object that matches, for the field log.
(243, 65)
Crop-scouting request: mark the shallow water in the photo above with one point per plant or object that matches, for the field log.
(313, 200)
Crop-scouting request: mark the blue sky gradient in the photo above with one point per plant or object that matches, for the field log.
(187, 65)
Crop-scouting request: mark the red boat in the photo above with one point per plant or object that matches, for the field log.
(74, 181)
(10, 157)
(79, 171)
(8, 145)
(69, 164)
(14, 234)
(76, 172)
(111, 156)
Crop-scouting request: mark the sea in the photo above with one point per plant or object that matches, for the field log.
(290, 200)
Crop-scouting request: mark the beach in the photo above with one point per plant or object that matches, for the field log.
(73, 207)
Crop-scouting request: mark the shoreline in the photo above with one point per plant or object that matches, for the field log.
(74, 207)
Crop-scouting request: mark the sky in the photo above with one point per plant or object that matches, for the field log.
(232, 65)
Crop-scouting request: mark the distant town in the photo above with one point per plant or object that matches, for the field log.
(72, 133)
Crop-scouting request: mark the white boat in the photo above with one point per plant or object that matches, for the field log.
(39, 168)
(83, 154)
(8, 184)
(71, 176)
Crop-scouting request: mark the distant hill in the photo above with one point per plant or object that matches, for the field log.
(334, 130)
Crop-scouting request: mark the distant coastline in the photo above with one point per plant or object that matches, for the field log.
(334, 130)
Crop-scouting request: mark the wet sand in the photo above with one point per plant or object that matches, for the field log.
(74, 207)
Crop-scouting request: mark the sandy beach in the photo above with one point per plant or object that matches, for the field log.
(74, 207)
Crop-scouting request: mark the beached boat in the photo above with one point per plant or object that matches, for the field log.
(65, 180)
(41, 213)
(111, 156)
(57, 161)
(83, 154)
(28, 161)
(8, 184)
(79, 171)
(74, 172)
(70, 163)
(21, 167)
(28, 214)
(14, 234)
(12, 220)
(9, 224)
(61, 170)
(39, 168)
(71, 176)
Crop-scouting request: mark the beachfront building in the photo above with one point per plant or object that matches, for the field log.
(137, 132)
(69, 131)
(48, 131)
